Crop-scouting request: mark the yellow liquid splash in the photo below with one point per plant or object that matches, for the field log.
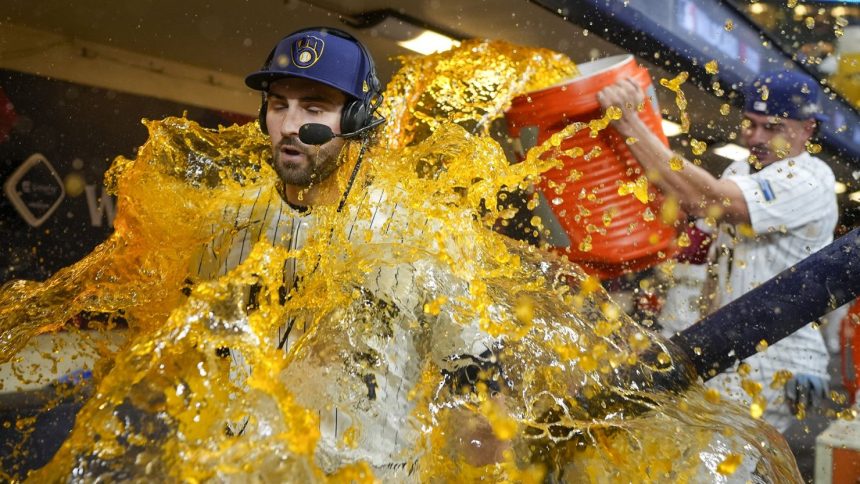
(398, 296)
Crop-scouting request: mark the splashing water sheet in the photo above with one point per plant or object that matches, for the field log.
(399, 339)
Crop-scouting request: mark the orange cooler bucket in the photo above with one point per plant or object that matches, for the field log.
(633, 240)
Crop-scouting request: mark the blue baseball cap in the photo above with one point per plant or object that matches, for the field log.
(786, 94)
(324, 55)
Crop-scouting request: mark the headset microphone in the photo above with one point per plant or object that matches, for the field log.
(315, 134)
(320, 134)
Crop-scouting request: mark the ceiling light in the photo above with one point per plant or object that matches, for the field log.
(854, 197)
(428, 42)
(670, 128)
(408, 32)
(839, 11)
(757, 8)
(732, 152)
(840, 187)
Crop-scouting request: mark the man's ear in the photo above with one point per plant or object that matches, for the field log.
(809, 127)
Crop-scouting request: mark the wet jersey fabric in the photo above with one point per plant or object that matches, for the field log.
(374, 409)
(793, 213)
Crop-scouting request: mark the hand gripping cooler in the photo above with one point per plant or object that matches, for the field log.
(629, 235)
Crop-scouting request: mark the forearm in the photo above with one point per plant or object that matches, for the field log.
(700, 193)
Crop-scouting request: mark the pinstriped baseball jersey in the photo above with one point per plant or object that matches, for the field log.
(793, 213)
(379, 401)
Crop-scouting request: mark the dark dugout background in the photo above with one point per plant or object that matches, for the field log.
(79, 130)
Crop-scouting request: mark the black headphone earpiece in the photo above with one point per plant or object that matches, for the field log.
(264, 102)
(354, 117)
(357, 113)
(261, 117)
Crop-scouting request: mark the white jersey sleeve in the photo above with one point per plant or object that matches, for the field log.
(790, 194)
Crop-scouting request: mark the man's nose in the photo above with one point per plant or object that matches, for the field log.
(290, 123)
(755, 134)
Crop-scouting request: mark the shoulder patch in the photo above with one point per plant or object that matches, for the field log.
(766, 190)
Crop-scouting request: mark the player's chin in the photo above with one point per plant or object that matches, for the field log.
(293, 164)
(293, 173)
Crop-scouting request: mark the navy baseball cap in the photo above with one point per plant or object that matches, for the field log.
(786, 94)
(327, 56)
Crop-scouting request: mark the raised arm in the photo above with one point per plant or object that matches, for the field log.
(696, 189)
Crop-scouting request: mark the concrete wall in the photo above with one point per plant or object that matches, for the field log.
(52, 55)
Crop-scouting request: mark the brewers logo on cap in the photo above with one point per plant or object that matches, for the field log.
(307, 51)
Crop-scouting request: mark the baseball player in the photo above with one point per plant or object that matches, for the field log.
(319, 89)
(771, 211)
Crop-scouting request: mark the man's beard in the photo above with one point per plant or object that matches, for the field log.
(321, 162)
